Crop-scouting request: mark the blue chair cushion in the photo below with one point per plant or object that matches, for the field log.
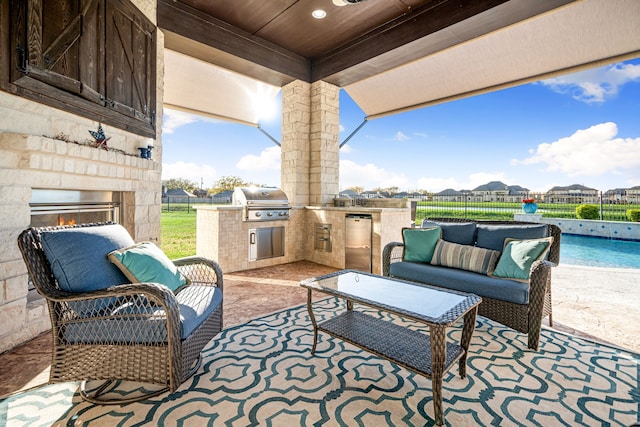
(462, 233)
(131, 323)
(78, 256)
(493, 236)
(462, 280)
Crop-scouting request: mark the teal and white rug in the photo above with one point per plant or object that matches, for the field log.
(262, 373)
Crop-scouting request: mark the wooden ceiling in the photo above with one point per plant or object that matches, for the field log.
(278, 41)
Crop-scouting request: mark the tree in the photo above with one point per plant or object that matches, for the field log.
(229, 183)
(180, 183)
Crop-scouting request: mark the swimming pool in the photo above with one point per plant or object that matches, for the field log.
(598, 252)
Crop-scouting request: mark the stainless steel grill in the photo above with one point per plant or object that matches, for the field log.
(262, 204)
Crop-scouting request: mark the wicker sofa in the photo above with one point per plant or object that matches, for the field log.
(519, 304)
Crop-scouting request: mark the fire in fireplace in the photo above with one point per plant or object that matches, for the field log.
(51, 207)
(61, 207)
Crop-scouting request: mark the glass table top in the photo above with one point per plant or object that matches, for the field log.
(420, 301)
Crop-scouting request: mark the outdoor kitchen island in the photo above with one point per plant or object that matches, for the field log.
(224, 234)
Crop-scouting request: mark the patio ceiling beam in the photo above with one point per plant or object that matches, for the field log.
(232, 48)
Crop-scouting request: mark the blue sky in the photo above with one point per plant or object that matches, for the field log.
(581, 128)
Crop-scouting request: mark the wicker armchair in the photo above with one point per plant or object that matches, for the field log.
(127, 332)
(525, 318)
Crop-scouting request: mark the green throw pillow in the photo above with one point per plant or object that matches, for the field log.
(518, 256)
(145, 262)
(419, 243)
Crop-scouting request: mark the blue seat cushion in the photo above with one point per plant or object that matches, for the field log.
(493, 236)
(462, 233)
(132, 324)
(461, 280)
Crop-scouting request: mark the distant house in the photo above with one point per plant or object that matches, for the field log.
(494, 191)
(178, 193)
(348, 194)
(200, 193)
(407, 195)
(633, 194)
(616, 195)
(375, 195)
(575, 193)
(222, 197)
(451, 195)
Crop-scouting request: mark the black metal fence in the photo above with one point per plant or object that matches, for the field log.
(183, 203)
(443, 207)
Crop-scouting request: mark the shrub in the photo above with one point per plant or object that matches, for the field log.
(587, 212)
(633, 215)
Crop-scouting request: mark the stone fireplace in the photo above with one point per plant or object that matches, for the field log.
(47, 179)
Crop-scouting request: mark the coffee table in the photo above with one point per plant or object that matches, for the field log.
(428, 355)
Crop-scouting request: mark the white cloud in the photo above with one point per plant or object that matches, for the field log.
(588, 152)
(269, 158)
(346, 149)
(173, 119)
(472, 181)
(369, 176)
(191, 171)
(420, 134)
(595, 85)
(401, 136)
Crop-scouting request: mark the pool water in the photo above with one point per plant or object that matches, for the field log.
(599, 252)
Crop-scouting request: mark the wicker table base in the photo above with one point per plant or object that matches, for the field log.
(428, 355)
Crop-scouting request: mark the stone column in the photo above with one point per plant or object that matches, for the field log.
(310, 131)
(324, 173)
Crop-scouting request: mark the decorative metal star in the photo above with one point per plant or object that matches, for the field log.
(100, 137)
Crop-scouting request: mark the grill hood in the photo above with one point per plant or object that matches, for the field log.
(263, 197)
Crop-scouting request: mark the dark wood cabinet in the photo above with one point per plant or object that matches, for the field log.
(94, 58)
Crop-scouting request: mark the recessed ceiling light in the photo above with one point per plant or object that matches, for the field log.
(318, 13)
(339, 2)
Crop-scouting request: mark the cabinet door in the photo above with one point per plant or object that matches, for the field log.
(94, 58)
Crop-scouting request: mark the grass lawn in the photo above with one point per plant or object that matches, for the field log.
(178, 233)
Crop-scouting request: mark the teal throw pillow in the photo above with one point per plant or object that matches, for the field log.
(145, 262)
(518, 256)
(419, 243)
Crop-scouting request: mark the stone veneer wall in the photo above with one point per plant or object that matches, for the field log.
(222, 235)
(386, 225)
(310, 146)
(33, 155)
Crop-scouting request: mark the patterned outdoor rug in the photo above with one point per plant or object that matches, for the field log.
(262, 373)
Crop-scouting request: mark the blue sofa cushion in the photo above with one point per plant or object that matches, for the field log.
(462, 233)
(461, 280)
(493, 236)
(78, 256)
(131, 323)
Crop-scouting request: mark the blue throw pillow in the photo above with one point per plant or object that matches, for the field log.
(419, 243)
(462, 233)
(145, 262)
(493, 236)
(78, 256)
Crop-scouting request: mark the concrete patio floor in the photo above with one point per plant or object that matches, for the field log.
(598, 304)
